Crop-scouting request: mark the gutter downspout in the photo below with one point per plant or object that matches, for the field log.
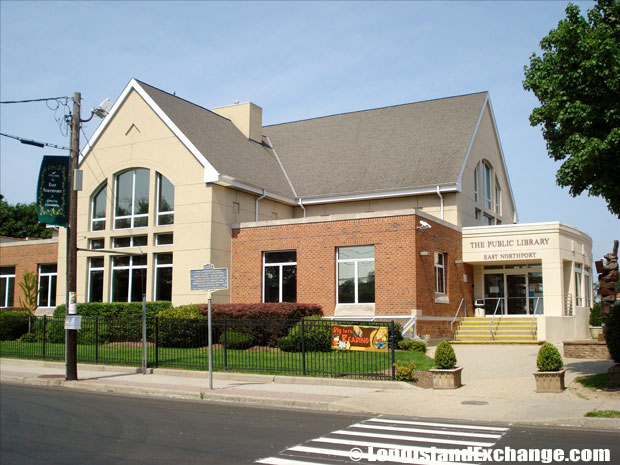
(441, 198)
(260, 198)
(302, 207)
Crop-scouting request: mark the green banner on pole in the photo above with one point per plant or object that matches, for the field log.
(53, 191)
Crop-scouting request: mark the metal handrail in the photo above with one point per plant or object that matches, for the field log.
(410, 324)
(457, 313)
(493, 319)
(534, 314)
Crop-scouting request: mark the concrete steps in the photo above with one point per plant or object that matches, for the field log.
(504, 330)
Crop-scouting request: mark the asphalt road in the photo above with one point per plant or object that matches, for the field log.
(58, 426)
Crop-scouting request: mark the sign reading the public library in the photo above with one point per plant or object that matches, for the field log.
(360, 338)
(492, 244)
(209, 279)
(52, 191)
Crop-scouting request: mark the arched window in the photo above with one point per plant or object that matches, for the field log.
(131, 208)
(98, 209)
(165, 200)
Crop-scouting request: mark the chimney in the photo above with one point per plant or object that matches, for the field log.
(247, 117)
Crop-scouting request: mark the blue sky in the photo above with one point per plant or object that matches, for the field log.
(296, 60)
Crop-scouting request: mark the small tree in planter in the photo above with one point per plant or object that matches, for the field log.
(550, 377)
(596, 321)
(445, 374)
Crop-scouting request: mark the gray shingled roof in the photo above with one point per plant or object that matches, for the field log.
(401, 147)
(226, 148)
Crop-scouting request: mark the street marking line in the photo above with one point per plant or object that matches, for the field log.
(428, 431)
(363, 455)
(279, 461)
(414, 438)
(442, 425)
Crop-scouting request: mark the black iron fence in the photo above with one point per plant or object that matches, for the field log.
(275, 346)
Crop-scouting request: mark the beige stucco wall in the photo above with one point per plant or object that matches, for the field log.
(485, 147)
(556, 246)
(136, 137)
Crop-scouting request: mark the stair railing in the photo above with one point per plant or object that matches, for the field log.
(493, 319)
(534, 315)
(457, 314)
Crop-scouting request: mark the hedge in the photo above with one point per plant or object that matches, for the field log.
(317, 336)
(13, 325)
(116, 309)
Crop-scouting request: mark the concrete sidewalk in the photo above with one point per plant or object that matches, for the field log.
(498, 386)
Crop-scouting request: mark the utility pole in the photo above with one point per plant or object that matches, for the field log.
(71, 281)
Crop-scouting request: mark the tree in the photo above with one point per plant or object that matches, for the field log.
(577, 81)
(30, 288)
(21, 221)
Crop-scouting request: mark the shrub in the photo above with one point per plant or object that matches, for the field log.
(13, 325)
(116, 309)
(182, 326)
(595, 315)
(549, 358)
(405, 371)
(316, 336)
(445, 358)
(612, 333)
(28, 337)
(236, 340)
(398, 334)
(413, 345)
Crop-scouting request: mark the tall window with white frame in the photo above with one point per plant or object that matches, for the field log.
(131, 204)
(578, 283)
(498, 198)
(97, 209)
(280, 276)
(165, 200)
(476, 182)
(588, 286)
(7, 286)
(163, 276)
(47, 285)
(440, 273)
(95, 279)
(128, 278)
(486, 185)
(356, 274)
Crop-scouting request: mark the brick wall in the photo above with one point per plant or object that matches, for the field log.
(27, 256)
(404, 280)
(591, 349)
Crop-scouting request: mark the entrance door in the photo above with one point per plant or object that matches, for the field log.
(517, 297)
(494, 294)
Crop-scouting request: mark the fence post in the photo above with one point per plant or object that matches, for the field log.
(97, 340)
(393, 355)
(303, 348)
(225, 345)
(44, 330)
(156, 341)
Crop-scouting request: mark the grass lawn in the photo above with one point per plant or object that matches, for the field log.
(256, 360)
(598, 381)
(603, 414)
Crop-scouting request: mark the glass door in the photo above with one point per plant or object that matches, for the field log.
(517, 297)
(494, 294)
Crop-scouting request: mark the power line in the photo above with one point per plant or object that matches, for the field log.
(34, 142)
(34, 100)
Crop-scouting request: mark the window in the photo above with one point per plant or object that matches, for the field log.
(356, 274)
(164, 239)
(588, 286)
(98, 209)
(96, 244)
(128, 278)
(476, 177)
(95, 279)
(132, 199)
(498, 198)
(280, 276)
(478, 214)
(47, 285)
(129, 241)
(165, 200)
(486, 185)
(7, 286)
(440, 273)
(488, 219)
(578, 289)
(163, 276)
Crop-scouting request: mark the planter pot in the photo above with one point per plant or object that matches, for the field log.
(596, 331)
(447, 379)
(549, 381)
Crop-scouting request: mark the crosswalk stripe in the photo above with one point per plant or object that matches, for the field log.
(364, 455)
(427, 431)
(442, 425)
(279, 461)
(415, 438)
